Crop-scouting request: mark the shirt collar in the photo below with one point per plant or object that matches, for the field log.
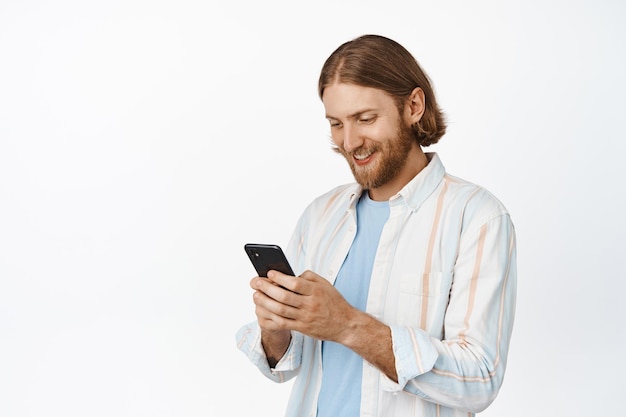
(423, 184)
(417, 190)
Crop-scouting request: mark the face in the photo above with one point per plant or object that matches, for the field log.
(368, 130)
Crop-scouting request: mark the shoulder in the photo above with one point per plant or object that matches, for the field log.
(323, 213)
(337, 198)
(473, 193)
(477, 203)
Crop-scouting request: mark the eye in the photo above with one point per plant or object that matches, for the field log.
(367, 119)
(334, 124)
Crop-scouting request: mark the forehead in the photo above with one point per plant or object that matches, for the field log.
(344, 100)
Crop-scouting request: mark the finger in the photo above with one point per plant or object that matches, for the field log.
(275, 323)
(293, 284)
(279, 287)
(270, 307)
(254, 282)
(309, 275)
(267, 320)
(271, 321)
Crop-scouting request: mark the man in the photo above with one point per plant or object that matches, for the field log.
(405, 297)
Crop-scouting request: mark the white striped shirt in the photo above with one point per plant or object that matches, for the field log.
(444, 280)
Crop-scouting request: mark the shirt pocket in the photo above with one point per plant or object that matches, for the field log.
(423, 299)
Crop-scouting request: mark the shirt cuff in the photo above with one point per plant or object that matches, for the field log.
(415, 355)
(292, 357)
(249, 342)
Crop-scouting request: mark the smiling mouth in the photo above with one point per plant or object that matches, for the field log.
(362, 158)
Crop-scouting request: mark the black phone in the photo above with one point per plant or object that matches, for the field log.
(266, 257)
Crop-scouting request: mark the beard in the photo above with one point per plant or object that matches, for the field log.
(391, 159)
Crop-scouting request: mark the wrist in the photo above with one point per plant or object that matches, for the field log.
(360, 328)
(275, 344)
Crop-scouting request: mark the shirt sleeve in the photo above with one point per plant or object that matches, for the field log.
(249, 336)
(465, 370)
(249, 342)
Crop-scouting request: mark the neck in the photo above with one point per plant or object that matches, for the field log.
(415, 163)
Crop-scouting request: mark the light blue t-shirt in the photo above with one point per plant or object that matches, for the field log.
(340, 394)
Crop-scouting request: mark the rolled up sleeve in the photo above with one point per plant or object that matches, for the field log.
(249, 342)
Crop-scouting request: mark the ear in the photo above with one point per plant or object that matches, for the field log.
(416, 105)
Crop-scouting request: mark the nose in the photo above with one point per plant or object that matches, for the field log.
(351, 138)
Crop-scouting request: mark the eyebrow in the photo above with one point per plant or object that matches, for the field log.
(354, 115)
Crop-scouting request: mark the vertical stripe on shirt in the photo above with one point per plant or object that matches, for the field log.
(429, 256)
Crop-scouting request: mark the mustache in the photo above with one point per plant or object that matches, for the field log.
(339, 150)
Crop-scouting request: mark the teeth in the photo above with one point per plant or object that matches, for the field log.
(362, 157)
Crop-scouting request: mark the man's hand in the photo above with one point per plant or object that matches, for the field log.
(308, 304)
(311, 305)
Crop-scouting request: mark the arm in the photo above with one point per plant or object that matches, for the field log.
(275, 345)
(371, 339)
(466, 369)
(276, 352)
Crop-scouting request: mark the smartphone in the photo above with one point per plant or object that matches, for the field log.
(266, 257)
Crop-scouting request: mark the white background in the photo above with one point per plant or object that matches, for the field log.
(142, 143)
